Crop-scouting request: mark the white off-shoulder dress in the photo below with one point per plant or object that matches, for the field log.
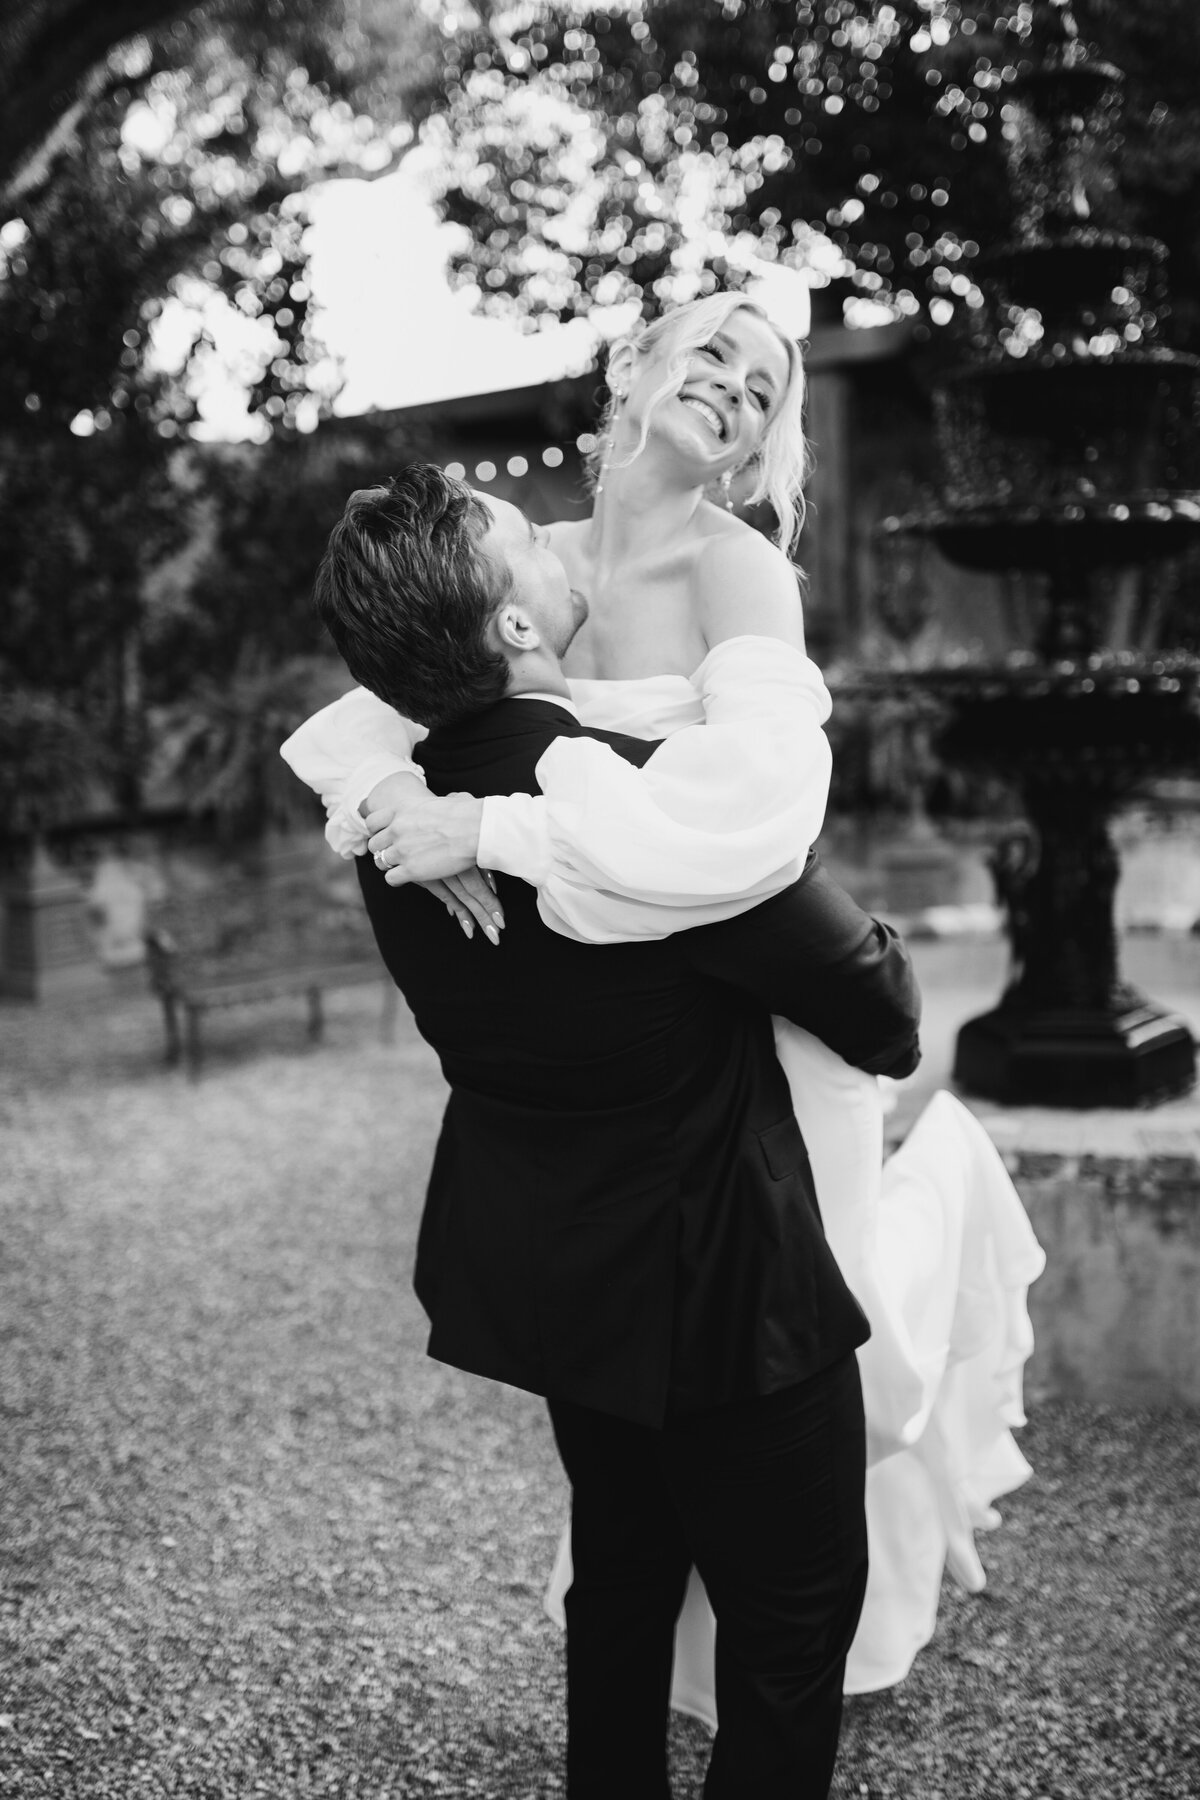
(934, 1242)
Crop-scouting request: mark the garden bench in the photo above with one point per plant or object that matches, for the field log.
(247, 941)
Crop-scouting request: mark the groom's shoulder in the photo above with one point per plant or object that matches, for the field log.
(495, 751)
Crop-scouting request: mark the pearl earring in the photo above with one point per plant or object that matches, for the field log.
(726, 486)
(605, 449)
(618, 395)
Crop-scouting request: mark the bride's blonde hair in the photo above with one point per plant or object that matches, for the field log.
(782, 458)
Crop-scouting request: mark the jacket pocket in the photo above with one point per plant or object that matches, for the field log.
(782, 1183)
(783, 1149)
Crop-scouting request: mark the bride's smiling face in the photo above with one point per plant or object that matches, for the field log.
(729, 389)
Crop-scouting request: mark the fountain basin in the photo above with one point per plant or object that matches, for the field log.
(1102, 721)
(1082, 534)
(1086, 276)
(1071, 429)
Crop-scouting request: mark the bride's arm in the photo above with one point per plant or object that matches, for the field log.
(357, 753)
(718, 819)
(344, 752)
(720, 816)
(760, 789)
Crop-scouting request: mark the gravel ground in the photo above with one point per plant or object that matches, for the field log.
(253, 1542)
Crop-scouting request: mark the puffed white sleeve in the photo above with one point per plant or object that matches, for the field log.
(722, 815)
(345, 750)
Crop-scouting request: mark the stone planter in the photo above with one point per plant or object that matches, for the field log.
(47, 949)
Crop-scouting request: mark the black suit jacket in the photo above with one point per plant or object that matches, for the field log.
(620, 1210)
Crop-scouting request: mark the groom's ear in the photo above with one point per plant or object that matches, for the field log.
(511, 629)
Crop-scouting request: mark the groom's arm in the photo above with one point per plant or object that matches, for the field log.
(813, 955)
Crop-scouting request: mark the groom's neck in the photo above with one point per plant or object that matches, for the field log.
(541, 675)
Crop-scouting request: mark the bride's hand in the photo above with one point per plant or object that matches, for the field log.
(406, 835)
(471, 899)
(426, 837)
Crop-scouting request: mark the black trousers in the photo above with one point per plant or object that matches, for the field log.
(766, 1497)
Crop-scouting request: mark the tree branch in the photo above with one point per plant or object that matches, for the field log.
(48, 50)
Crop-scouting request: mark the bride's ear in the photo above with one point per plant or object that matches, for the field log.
(619, 372)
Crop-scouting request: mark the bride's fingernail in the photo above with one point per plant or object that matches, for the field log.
(492, 933)
(467, 927)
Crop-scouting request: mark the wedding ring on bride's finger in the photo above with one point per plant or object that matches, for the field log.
(380, 860)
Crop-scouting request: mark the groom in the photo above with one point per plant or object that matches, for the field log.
(620, 1214)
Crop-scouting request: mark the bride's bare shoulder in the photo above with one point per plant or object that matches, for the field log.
(744, 583)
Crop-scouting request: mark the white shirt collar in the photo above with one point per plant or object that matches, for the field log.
(551, 699)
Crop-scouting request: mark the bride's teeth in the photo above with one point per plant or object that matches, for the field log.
(708, 412)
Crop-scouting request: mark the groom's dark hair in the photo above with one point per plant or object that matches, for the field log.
(406, 595)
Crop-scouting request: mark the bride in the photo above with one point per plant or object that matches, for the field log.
(695, 619)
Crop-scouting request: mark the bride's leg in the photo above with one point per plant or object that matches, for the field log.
(630, 1570)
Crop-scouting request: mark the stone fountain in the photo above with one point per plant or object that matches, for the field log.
(1070, 443)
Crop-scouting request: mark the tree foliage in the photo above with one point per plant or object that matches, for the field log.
(184, 180)
(49, 760)
(158, 624)
(52, 57)
(174, 180)
(81, 524)
(641, 151)
(233, 653)
(261, 516)
(58, 58)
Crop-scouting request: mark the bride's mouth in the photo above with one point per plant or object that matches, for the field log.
(708, 413)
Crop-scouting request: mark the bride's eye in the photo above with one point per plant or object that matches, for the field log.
(713, 350)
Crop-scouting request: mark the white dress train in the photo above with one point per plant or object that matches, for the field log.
(934, 1243)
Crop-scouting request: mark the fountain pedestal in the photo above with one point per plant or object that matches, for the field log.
(1067, 1031)
(1021, 1055)
(1076, 738)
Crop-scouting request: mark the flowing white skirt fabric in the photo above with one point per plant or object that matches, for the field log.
(937, 1248)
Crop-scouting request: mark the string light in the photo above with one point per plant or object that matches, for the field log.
(517, 467)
